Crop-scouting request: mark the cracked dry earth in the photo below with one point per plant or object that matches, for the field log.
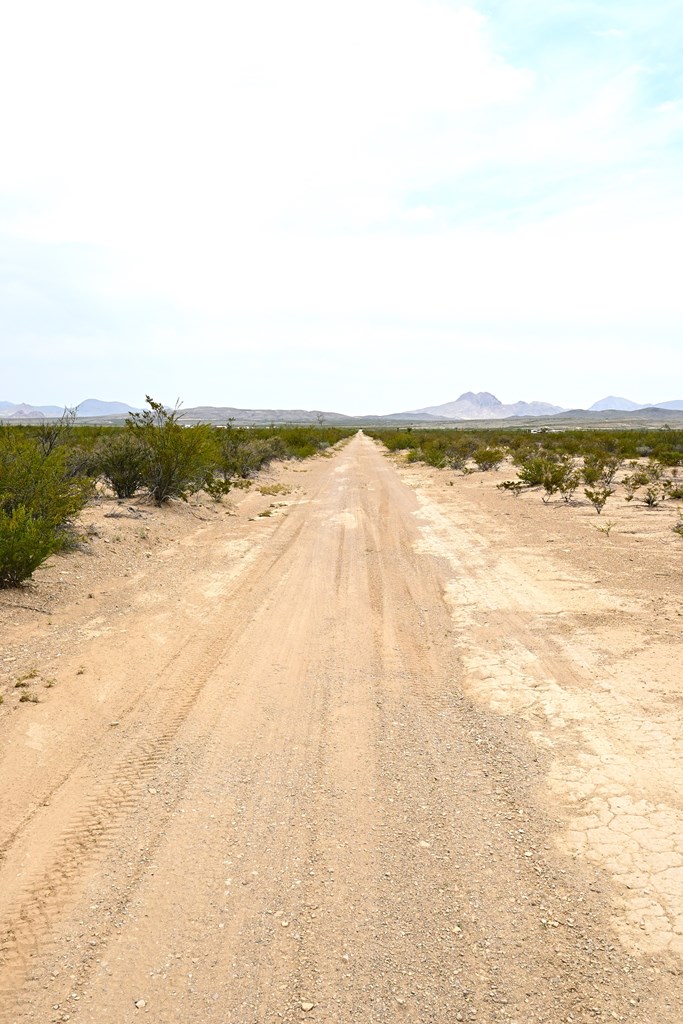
(400, 750)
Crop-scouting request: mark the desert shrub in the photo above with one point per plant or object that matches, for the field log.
(554, 472)
(50, 434)
(434, 455)
(512, 487)
(121, 458)
(534, 470)
(592, 470)
(25, 543)
(598, 497)
(247, 457)
(39, 496)
(559, 476)
(568, 480)
(670, 458)
(599, 467)
(217, 486)
(178, 459)
(456, 458)
(673, 489)
(653, 496)
(632, 483)
(42, 484)
(276, 447)
(458, 451)
(488, 458)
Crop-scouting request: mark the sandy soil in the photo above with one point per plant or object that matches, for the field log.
(403, 748)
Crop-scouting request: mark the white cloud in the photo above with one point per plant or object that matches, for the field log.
(229, 114)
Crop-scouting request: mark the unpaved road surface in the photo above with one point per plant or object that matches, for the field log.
(380, 755)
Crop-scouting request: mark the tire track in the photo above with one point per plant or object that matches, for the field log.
(154, 716)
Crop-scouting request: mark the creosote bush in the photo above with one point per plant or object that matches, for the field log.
(488, 458)
(122, 459)
(25, 543)
(598, 497)
(177, 459)
(39, 496)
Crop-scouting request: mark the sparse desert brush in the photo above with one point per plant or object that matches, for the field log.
(217, 486)
(31, 674)
(514, 487)
(598, 497)
(632, 484)
(673, 489)
(653, 496)
(606, 527)
(272, 489)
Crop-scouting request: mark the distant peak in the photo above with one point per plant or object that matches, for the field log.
(482, 398)
(615, 402)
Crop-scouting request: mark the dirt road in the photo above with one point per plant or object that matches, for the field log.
(355, 760)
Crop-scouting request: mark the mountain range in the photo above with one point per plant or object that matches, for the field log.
(626, 405)
(469, 406)
(91, 407)
(482, 406)
(485, 406)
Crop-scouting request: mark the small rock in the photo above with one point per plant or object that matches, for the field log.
(307, 1006)
(140, 1004)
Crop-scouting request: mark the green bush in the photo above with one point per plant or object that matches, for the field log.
(600, 468)
(41, 484)
(673, 489)
(178, 459)
(560, 476)
(217, 486)
(653, 496)
(38, 499)
(598, 497)
(25, 543)
(533, 470)
(121, 458)
(488, 458)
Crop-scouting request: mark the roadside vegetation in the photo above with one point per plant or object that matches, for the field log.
(48, 472)
(572, 467)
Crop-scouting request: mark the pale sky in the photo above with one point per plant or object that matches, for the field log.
(366, 206)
